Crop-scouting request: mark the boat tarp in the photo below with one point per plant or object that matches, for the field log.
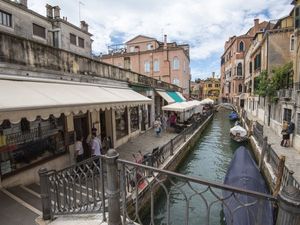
(238, 130)
(243, 173)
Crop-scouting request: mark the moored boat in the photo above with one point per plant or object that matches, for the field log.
(241, 208)
(233, 116)
(238, 133)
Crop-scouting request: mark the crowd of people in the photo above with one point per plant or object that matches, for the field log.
(162, 123)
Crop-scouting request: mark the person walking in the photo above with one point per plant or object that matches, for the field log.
(284, 133)
(290, 131)
(79, 149)
(95, 145)
(157, 126)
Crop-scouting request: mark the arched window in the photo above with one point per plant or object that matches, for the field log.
(241, 46)
(175, 63)
(239, 69)
(240, 88)
(292, 42)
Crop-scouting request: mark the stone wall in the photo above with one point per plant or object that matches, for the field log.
(17, 51)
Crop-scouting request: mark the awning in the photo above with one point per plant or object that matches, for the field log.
(207, 101)
(19, 99)
(175, 96)
(165, 96)
(181, 96)
(179, 107)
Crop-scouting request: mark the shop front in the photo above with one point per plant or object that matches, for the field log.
(39, 121)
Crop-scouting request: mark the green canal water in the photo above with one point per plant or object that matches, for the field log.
(209, 160)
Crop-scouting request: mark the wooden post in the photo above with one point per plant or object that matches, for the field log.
(289, 206)
(279, 175)
(263, 152)
(269, 153)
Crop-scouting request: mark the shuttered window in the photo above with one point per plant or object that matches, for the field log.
(39, 31)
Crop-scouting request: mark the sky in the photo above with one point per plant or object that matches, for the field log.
(204, 25)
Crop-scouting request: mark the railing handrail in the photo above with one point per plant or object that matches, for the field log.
(201, 181)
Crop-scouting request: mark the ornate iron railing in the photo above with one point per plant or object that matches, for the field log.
(84, 188)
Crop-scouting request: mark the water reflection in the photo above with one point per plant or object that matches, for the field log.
(210, 160)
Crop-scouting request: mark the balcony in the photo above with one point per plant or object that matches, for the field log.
(285, 94)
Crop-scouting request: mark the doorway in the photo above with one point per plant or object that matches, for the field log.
(103, 132)
(81, 128)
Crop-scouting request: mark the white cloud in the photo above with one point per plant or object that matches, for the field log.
(205, 25)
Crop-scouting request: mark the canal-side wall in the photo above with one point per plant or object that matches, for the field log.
(171, 164)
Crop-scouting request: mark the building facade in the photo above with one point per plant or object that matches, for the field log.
(17, 19)
(168, 62)
(211, 88)
(232, 63)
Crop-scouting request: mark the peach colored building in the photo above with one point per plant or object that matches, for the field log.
(169, 62)
(232, 63)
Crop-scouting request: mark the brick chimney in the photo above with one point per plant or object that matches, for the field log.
(56, 12)
(23, 3)
(49, 11)
(165, 42)
(256, 22)
(84, 26)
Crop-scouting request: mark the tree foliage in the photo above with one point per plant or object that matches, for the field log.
(267, 86)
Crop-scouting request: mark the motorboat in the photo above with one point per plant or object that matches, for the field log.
(233, 116)
(244, 209)
(238, 133)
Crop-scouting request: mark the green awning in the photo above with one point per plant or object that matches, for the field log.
(175, 96)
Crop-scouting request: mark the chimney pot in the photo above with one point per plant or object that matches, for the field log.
(56, 12)
(49, 11)
(84, 26)
(165, 42)
(23, 3)
(256, 22)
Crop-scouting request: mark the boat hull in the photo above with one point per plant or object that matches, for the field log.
(240, 209)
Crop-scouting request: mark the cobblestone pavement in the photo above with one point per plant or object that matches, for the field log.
(144, 143)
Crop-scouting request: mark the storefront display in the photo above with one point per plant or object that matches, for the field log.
(134, 118)
(121, 122)
(26, 143)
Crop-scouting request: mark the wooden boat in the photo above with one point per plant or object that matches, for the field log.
(241, 209)
(238, 133)
(233, 116)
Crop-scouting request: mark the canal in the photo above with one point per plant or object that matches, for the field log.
(209, 160)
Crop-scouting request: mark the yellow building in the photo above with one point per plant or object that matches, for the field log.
(211, 88)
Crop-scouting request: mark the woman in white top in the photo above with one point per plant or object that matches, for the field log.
(79, 149)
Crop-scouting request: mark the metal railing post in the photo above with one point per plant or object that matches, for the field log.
(289, 206)
(45, 195)
(172, 148)
(113, 188)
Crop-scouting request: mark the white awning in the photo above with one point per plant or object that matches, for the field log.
(179, 107)
(207, 101)
(30, 99)
(165, 96)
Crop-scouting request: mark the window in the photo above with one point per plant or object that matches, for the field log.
(241, 46)
(292, 42)
(80, 42)
(131, 49)
(250, 67)
(184, 66)
(257, 62)
(298, 123)
(73, 39)
(287, 114)
(240, 88)
(147, 67)
(209, 85)
(39, 31)
(156, 65)
(121, 123)
(175, 63)
(217, 85)
(134, 118)
(5, 19)
(149, 46)
(176, 81)
(239, 69)
(297, 17)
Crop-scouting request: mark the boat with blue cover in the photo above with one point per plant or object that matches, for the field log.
(233, 116)
(241, 209)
